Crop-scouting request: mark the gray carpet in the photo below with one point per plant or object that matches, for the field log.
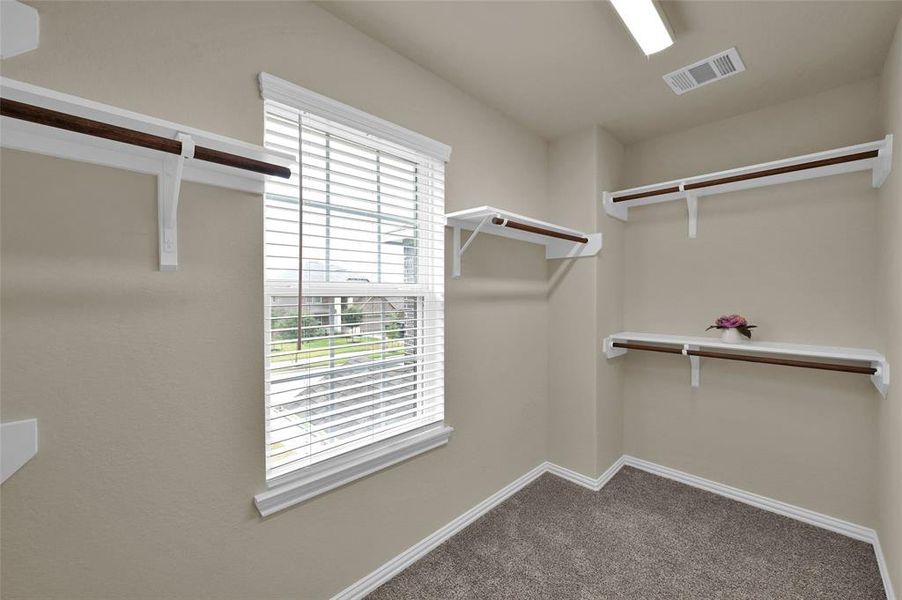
(640, 537)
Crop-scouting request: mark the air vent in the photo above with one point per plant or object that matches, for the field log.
(713, 68)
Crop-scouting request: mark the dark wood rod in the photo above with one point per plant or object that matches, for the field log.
(814, 164)
(750, 358)
(648, 194)
(648, 347)
(52, 118)
(539, 230)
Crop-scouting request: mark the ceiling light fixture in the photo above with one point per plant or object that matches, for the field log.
(646, 24)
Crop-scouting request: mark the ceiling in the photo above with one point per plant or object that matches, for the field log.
(558, 66)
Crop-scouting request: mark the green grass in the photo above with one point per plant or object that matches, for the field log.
(317, 348)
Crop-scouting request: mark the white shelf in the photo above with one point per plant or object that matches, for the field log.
(479, 220)
(686, 189)
(51, 141)
(867, 357)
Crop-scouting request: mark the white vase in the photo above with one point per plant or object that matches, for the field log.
(731, 336)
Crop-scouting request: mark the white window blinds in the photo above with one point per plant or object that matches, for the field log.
(354, 278)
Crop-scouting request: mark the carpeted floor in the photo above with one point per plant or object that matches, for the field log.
(641, 537)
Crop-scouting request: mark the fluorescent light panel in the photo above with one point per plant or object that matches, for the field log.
(645, 23)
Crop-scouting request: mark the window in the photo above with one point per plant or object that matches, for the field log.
(354, 278)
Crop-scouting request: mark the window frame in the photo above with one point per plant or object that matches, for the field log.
(294, 487)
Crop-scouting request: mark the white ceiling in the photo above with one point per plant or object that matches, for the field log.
(558, 66)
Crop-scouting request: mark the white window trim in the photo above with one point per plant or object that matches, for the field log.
(295, 488)
(279, 90)
(352, 466)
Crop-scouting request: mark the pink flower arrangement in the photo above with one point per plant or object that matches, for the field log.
(737, 322)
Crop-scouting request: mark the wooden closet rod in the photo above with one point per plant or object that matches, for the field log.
(52, 118)
(749, 358)
(539, 230)
(814, 164)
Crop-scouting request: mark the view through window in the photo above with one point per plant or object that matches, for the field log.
(356, 357)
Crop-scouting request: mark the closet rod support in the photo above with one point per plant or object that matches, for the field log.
(692, 207)
(884, 162)
(458, 251)
(169, 183)
(880, 378)
(618, 211)
(693, 363)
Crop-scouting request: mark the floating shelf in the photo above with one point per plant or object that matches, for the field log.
(48, 122)
(866, 362)
(872, 156)
(559, 242)
(18, 444)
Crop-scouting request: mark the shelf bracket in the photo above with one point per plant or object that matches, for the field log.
(618, 211)
(880, 379)
(169, 183)
(458, 251)
(884, 163)
(609, 350)
(694, 364)
(692, 207)
(18, 445)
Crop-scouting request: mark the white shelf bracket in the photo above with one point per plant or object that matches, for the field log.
(20, 28)
(455, 268)
(884, 164)
(169, 183)
(609, 350)
(618, 211)
(18, 444)
(458, 251)
(692, 207)
(880, 379)
(694, 364)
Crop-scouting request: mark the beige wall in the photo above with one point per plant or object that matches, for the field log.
(889, 473)
(609, 303)
(801, 261)
(585, 424)
(572, 427)
(148, 386)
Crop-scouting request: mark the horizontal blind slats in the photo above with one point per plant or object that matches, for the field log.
(313, 401)
(282, 387)
(363, 361)
(290, 463)
(352, 426)
(331, 422)
(317, 364)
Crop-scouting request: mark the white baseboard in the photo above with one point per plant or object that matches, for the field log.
(369, 583)
(583, 480)
(858, 532)
(884, 569)
(775, 506)
(423, 547)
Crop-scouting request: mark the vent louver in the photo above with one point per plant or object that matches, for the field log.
(714, 68)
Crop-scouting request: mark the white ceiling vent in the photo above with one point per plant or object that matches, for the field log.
(713, 68)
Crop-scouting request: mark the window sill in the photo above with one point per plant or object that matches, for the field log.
(360, 465)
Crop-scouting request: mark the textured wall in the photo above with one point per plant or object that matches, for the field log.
(148, 386)
(572, 427)
(609, 304)
(585, 416)
(801, 261)
(889, 474)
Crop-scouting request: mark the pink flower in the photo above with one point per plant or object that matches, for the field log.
(732, 321)
(737, 322)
